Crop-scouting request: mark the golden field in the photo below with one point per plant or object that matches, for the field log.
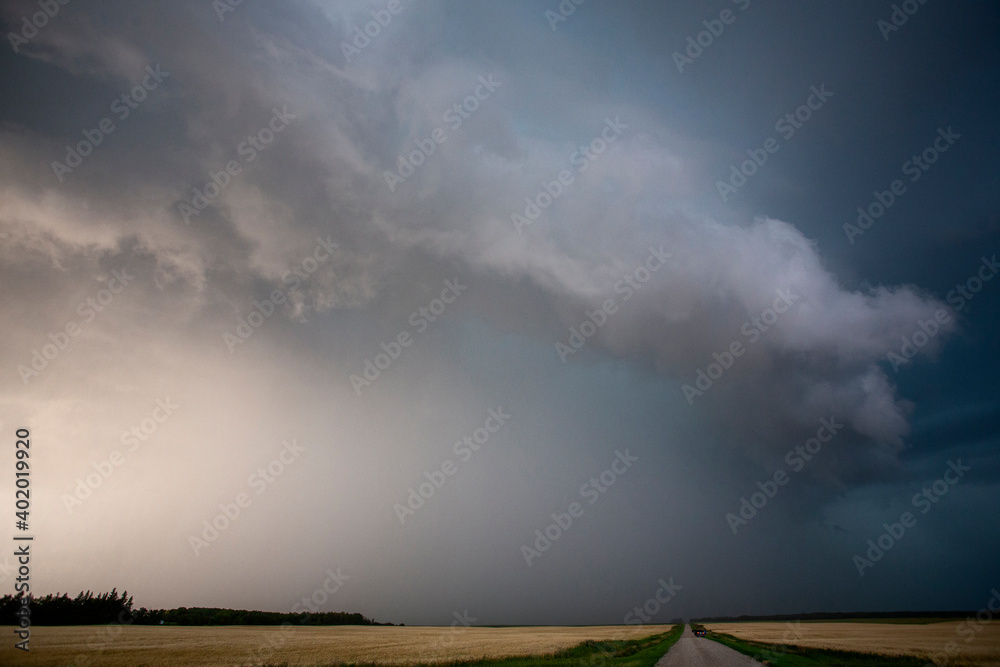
(169, 646)
(926, 641)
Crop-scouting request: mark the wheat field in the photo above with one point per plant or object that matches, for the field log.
(928, 641)
(171, 646)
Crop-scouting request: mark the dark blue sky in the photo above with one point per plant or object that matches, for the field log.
(336, 282)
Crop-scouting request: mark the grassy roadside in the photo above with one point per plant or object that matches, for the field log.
(644, 652)
(902, 620)
(781, 655)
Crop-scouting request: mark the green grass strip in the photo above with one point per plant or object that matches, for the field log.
(644, 652)
(784, 655)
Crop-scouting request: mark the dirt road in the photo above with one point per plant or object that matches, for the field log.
(691, 651)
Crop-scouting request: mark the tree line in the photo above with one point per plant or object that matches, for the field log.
(836, 616)
(90, 609)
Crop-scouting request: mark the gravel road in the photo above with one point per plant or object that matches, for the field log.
(691, 651)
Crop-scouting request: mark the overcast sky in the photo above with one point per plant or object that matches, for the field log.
(380, 289)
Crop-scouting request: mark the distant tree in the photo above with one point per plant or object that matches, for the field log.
(89, 609)
(84, 609)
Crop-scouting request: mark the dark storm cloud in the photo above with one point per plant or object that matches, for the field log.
(567, 178)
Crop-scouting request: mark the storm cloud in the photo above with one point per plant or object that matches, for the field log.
(362, 226)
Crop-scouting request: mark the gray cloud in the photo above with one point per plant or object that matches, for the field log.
(548, 122)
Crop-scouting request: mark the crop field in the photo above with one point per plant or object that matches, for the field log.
(924, 640)
(170, 646)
